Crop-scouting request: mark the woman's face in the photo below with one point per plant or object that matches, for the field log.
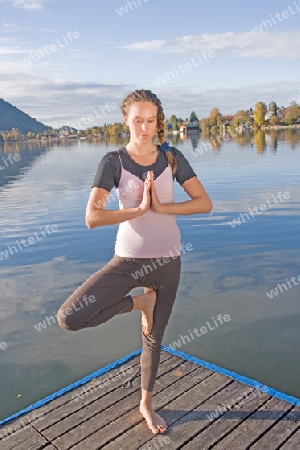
(142, 121)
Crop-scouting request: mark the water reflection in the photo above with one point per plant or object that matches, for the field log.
(229, 270)
(260, 141)
(29, 152)
(243, 140)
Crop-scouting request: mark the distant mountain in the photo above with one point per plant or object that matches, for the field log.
(12, 117)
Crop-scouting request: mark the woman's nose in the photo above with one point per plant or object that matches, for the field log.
(143, 126)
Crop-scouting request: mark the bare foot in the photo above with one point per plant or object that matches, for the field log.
(147, 312)
(155, 422)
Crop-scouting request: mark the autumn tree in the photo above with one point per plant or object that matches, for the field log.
(105, 129)
(13, 135)
(292, 113)
(115, 129)
(96, 130)
(241, 116)
(214, 117)
(274, 120)
(204, 125)
(30, 135)
(259, 113)
(50, 132)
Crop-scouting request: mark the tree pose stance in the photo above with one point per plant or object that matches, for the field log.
(148, 243)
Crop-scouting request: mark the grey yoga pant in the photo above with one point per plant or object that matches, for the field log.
(105, 294)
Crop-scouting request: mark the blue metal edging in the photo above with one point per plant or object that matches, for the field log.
(256, 384)
(262, 387)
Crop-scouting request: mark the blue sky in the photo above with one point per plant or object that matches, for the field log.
(61, 61)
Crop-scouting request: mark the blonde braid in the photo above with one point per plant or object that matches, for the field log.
(144, 95)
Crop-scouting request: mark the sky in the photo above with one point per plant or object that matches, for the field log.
(72, 63)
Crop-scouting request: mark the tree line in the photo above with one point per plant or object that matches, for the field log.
(261, 115)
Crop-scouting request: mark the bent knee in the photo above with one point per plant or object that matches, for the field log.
(65, 322)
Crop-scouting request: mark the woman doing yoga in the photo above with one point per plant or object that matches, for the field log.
(148, 241)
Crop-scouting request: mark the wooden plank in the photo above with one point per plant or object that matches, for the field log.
(189, 395)
(44, 412)
(118, 402)
(293, 443)
(96, 402)
(54, 411)
(115, 410)
(226, 422)
(19, 424)
(193, 423)
(27, 439)
(173, 411)
(255, 426)
(123, 415)
(203, 409)
(95, 390)
(281, 431)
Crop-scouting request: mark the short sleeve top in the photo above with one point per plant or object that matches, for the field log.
(109, 169)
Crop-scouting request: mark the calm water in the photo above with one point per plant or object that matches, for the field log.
(229, 271)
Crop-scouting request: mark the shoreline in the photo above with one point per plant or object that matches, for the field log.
(280, 127)
(73, 138)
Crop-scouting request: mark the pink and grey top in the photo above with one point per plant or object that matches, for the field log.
(151, 235)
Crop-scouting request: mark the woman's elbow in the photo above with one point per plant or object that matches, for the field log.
(93, 221)
(89, 222)
(209, 206)
(206, 206)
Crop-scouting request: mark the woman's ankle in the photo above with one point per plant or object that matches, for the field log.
(138, 302)
(146, 399)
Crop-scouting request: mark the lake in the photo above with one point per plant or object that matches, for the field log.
(244, 263)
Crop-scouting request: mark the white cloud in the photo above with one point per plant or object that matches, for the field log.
(10, 46)
(60, 102)
(8, 25)
(266, 44)
(11, 51)
(26, 4)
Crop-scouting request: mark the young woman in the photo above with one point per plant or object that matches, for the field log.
(148, 242)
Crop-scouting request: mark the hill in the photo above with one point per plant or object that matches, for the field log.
(12, 117)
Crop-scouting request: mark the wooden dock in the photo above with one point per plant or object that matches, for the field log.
(203, 409)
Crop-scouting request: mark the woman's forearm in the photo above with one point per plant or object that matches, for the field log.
(101, 217)
(193, 206)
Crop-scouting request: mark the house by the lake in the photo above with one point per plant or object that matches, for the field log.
(188, 127)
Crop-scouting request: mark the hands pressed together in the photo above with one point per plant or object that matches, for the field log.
(150, 199)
